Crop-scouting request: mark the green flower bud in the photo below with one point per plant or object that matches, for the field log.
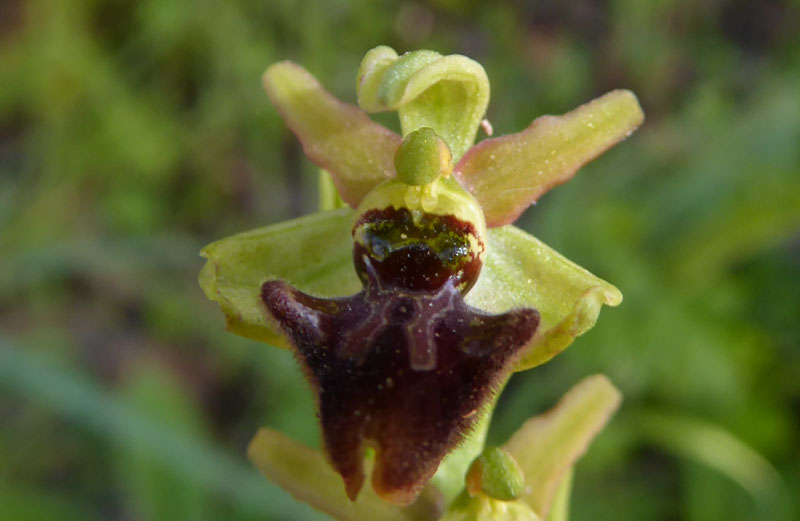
(497, 474)
(422, 157)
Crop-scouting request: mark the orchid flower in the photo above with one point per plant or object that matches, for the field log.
(410, 298)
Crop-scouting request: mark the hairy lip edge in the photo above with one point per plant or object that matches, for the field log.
(403, 371)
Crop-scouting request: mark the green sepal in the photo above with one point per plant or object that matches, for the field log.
(508, 173)
(521, 271)
(547, 446)
(336, 136)
(312, 253)
(446, 93)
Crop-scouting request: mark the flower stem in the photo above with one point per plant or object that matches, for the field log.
(329, 198)
(560, 508)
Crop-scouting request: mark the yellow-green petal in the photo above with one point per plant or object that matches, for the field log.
(336, 136)
(306, 474)
(313, 253)
(509, 173)
(547, 446)
(521, 271)
(446, 93)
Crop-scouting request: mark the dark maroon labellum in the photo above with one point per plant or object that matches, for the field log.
(404, 370)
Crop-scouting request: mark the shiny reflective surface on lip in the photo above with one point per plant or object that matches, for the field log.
(417, 251)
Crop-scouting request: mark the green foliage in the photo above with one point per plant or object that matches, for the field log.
(133, 133)
(238, 265)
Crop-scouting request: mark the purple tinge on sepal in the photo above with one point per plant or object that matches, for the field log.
(406, 372)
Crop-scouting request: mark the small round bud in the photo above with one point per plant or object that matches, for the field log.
(497, 474)
(422, 158)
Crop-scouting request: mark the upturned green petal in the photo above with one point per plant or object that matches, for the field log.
(336, 136)
(446, 93)
(547, 446)
(306, 474)
(521, 271)
(313, 253)
(509, 173)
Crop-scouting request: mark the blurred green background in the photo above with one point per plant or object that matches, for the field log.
(133, 133)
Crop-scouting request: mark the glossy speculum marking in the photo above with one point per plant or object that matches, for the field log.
(416, 250)
(405, 365)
